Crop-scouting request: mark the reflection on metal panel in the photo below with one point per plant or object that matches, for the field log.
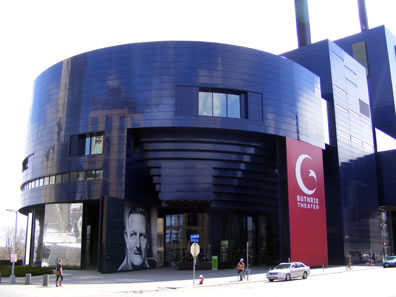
(62, 234)
(28, 238)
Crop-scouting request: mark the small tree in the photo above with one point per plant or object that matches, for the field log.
(8, 241)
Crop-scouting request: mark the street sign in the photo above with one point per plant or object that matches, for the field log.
(14, 258)
(195, 249)
(194, 238)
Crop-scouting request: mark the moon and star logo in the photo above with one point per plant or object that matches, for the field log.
(312, 173)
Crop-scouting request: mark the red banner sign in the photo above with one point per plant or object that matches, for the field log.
(307, 208)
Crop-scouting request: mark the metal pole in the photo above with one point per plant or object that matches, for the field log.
(247, 260)
(194, 271)
(12, 276)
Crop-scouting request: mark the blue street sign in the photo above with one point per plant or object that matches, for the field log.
(194, 238)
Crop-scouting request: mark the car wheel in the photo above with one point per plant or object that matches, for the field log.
(271, 280)
(305, 275)
(288, 277)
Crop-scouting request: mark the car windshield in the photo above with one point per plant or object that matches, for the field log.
(391, 258)
(283, 266)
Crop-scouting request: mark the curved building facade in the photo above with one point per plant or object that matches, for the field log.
(193, 136)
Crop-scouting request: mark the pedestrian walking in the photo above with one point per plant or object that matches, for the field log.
(372, 263)
(59, 273)
(240, 267)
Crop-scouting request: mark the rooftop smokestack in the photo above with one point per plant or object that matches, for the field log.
(363, 15)
(302, 22)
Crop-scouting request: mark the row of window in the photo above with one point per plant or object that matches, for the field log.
(63, 178)
(80, 145)
(219, 105)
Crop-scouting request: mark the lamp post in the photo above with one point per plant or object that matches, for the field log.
(12, 276)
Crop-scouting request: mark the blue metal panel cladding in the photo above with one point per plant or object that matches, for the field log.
(350, 171)
(155, 85)
(380, 50)
(386, 163)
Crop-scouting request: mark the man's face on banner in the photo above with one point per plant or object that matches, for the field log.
(136, 239)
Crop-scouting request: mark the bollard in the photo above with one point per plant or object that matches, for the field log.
(45, 280)
(28, 279)
(0, 277)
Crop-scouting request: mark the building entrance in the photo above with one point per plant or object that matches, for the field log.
(224, 238)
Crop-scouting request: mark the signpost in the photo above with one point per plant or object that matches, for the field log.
(194, 250)
(194, 238)
(13, 258)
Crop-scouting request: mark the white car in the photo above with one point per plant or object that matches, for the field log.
(287, 271)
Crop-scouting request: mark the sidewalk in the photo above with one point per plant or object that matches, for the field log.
(79, 282)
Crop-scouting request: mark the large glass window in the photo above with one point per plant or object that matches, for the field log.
(178, 231)
(62, 234)
(86, 144)
(219, 104)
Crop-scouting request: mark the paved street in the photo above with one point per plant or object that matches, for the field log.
(332, 281)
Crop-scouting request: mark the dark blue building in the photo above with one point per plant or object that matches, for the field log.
(194, 136)
(194, 132)
(350, 168)
(375, 50)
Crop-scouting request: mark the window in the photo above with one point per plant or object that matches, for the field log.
(25, 164)
(205, 104)
(364, 108)
(81, 175)
(99, 174)
(86, 144)
(97, 144)
(219, 104)
(65, 177)
(58, 178)
(90, 174)
(359, 53)
(73, 176)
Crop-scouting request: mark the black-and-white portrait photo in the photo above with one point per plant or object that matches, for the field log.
(137, 237)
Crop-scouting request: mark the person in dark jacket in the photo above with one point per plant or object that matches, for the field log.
(240, 268)
(59, 273)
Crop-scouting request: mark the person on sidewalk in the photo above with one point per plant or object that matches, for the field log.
(372, 262)
(240, 267)
(59, 273)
